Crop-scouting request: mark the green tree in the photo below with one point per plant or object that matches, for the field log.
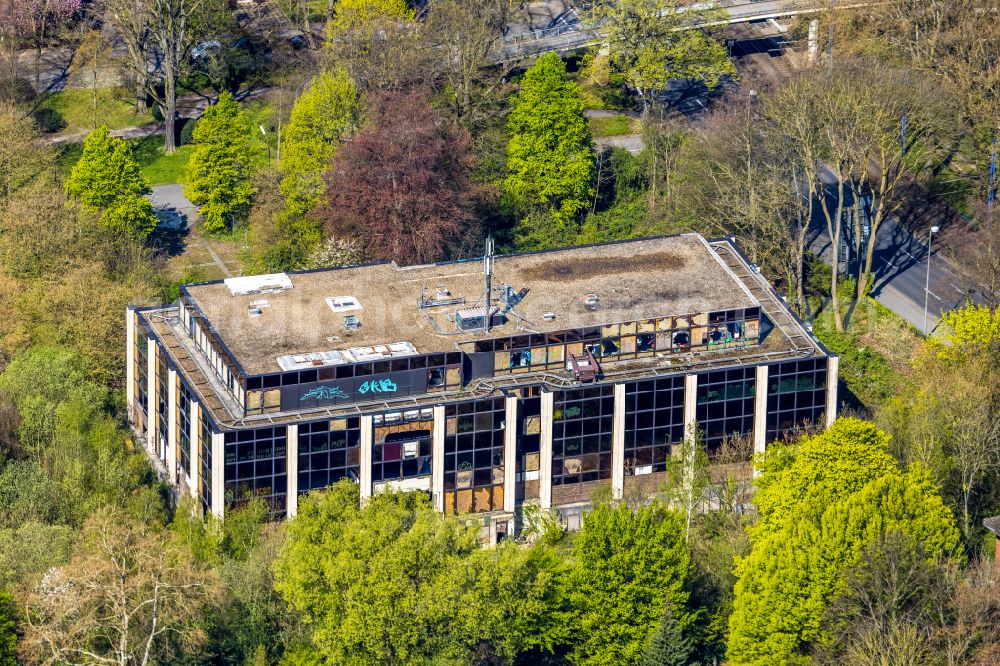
(219, 173)
(72, 457)
(821, 503)
(322, 115)
(650, 43)
(550, 165)
(107, 178)
(8, 633)
(629, 566)
(668, 646)
(32, 548)
(394, 582)
(947, 415)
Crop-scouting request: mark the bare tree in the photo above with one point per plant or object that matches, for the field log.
(158, 36)
(466, 32)
(127, 597)
(88, 63)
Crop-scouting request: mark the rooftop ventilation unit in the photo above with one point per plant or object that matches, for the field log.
(512, 298)
(441, 296)
(351, 323)
(592, 302)
(474, 319)
(548, 316)
(258, 284)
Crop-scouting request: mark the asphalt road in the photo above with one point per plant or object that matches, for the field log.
(173, 208)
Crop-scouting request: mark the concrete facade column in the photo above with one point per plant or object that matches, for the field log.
(437, 459)
(832, 381)
(194, 474)
(152, 427)
(813, 43)
(760, 410)
(172, 413)
(365, 459)
(292, 470)
(130, 360)
(760, 414)
(218, 474)
(545, 451)
(510, 454)
(618, 445)
(690, 409)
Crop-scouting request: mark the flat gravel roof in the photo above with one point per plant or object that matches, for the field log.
(632, 280)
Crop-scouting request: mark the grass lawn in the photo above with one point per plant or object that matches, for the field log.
(161, 168)
(875, 351)
(156, 165)
(603, 96)
(611, 126)
(76, 108)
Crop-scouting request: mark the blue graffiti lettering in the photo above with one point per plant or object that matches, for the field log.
(378, 386)
(324, 393)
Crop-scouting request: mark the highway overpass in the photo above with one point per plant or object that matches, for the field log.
(570, 34)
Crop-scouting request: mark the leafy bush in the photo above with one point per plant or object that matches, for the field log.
(49, 121)
(866, 372)
(187, 132)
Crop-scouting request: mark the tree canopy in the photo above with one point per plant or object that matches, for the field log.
(396, 582)
(219, 173)
(550, 166)
(649, 45)
(630, 566)
(323, 114)
(821, 503)
(107, 178)
(401, 185)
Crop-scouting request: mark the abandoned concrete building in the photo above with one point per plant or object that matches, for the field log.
(485, 383)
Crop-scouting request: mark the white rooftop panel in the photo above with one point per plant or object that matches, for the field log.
(382, 352)
(257, 284)
(313, 360)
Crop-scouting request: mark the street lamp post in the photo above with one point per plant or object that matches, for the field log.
(927, 281)
(263, 133)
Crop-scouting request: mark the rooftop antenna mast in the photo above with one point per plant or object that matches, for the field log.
(488, 271)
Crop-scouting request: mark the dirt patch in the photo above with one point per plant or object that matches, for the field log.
(582, 270)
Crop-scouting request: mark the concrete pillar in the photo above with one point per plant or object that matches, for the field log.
(760, 410)
(172, 414)
(690, 409)
(365, 459)
(152, 425)
(832, 380)
(130, 360)
(437, 459)
(760, 414)
(218, 474)
(194, 474)
(813, 41)
(510, 454)
(545, 451)
(292, 470)
(618, 445)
